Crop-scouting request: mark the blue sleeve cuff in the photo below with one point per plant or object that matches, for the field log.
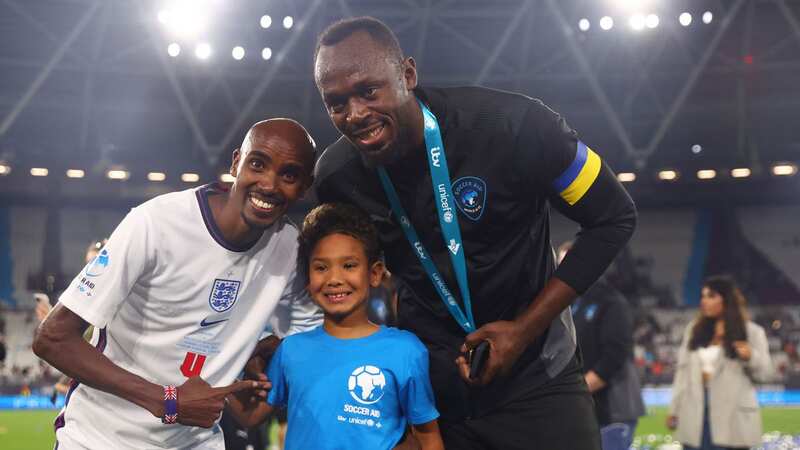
(424, 418)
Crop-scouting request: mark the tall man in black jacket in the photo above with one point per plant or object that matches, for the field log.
(463, 178)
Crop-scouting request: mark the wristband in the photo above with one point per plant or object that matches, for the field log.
(170, 405)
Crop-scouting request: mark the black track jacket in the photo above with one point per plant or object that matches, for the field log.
(509, 158)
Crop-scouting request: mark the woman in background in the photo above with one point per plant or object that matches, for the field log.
(722, 355)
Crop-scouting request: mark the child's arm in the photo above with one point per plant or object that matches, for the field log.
(250, 410)
(417, 397)
(247, 409)
(428, 435)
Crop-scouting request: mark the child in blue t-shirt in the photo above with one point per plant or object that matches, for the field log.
(349, 383)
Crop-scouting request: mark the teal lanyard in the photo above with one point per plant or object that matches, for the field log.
(448, 220)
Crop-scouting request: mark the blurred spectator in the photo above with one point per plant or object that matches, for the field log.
(44, 304)
(604, 327)
(2, 350)
(714, 403)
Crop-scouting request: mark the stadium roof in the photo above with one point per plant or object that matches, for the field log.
(90, 84)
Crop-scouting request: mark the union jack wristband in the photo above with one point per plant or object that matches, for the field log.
(170, 405)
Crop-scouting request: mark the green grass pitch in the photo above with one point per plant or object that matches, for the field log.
(785, 420)
(33, 430)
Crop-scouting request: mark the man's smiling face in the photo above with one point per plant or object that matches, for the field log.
(368, 94)
(272, 170)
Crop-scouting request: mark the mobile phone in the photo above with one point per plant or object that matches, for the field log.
(477, 359)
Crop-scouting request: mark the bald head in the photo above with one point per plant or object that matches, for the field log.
(287, 133)
(272, 170)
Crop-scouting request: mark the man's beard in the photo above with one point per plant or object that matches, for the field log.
(392, 154)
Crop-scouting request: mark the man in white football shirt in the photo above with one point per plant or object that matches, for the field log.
(180, 294)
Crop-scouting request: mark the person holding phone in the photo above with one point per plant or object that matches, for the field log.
(459, 183)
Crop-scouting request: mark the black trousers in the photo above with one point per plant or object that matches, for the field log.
(557, 416)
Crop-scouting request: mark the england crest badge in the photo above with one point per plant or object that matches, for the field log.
(470, 194)
(223, 294)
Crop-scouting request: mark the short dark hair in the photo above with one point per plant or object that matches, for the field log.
(344, 28)
(332, 218)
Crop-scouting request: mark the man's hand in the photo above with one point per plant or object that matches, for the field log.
(200, 405)
(254, 369)
(742, 349)
(508, 339)
(506, 342)
(593, 381)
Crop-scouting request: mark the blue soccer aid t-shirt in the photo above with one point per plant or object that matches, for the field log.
(342, 392)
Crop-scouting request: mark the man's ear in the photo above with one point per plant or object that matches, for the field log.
(234, 170)
(410, 73)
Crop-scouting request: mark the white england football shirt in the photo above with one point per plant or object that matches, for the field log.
(173, 299)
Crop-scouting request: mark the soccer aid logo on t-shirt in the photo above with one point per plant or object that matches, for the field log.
(223, 294)
(470, 193)
(98, 264)
(366, 384)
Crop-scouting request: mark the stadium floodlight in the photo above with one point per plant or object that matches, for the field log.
(288, 21)
(75, 173)
(784, 169)
(626, 177)
(164, 16)
(584, 24)
(697, 148)
(606, 23)
(202, 51)
(265, 22)
(706, 174)
(685, 19)
(668, 175)
(632, 5)
(707, 17)
(238, 53)
(227, 178)
(651, 21)
(636, 22)
(39, 171)
(186, 18)
(156, 176)
(118, 174)
(266, 53)
(174, 49)
(740, 172)
(5, 169)
(190, 177)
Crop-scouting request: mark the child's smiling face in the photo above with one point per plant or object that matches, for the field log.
(340, 276)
